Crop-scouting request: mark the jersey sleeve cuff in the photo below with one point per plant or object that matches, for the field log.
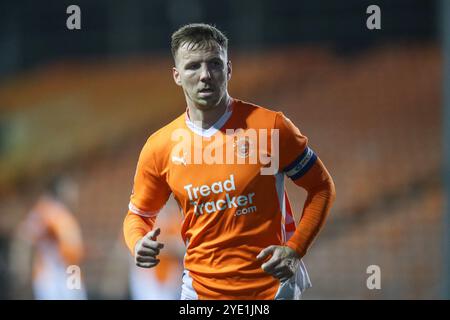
(139, 212)
(297, 248)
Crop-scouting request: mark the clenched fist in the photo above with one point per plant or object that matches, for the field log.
(147, 250)
(282, 264)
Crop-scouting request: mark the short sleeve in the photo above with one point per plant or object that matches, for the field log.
(150, 190)
(295, 156)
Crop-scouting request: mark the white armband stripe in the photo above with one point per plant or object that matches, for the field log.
(139, 212)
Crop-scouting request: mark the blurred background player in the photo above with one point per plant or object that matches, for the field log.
(160, 283)
(52, 233)
(164, 281)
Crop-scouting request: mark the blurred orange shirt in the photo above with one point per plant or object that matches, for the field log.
(231, 211)
(56, 235)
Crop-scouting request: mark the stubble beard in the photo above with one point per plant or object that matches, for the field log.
(208, 104)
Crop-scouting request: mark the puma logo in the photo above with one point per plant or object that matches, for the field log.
(179, 160)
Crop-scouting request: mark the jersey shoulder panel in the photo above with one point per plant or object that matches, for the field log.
(158, 146)
(294, 155)
(256, 116)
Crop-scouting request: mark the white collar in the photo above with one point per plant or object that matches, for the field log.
(214, 128)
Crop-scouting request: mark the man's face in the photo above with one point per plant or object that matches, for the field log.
(203, 73)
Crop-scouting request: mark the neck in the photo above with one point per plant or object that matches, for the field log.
(206, 118)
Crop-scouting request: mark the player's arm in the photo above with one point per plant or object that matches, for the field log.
(150, 193)
(135, 227)
(68, 236)
(141, 239)
(321, 194)
(300, 163)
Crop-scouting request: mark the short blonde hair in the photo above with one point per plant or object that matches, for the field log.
(198, 35)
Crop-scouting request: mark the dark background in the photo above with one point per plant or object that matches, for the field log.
(83, 102)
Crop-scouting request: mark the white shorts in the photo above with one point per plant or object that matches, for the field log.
(291, 289)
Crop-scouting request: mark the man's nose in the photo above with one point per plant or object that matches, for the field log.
(205, 73)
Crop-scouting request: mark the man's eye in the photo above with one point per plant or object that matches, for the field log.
(193, 66)
(217, 64)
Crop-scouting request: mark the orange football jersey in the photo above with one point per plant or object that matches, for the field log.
(229, 184)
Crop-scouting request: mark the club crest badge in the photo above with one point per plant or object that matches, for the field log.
(244, 147)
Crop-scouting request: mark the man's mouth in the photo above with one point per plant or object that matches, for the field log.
(206, 90)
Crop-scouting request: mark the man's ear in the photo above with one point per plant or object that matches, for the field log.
(176, 76)
(229, 70)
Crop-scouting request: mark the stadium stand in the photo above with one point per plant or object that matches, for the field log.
(374, 119)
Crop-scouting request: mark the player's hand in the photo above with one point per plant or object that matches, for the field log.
(282, 264)
(147, 250)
